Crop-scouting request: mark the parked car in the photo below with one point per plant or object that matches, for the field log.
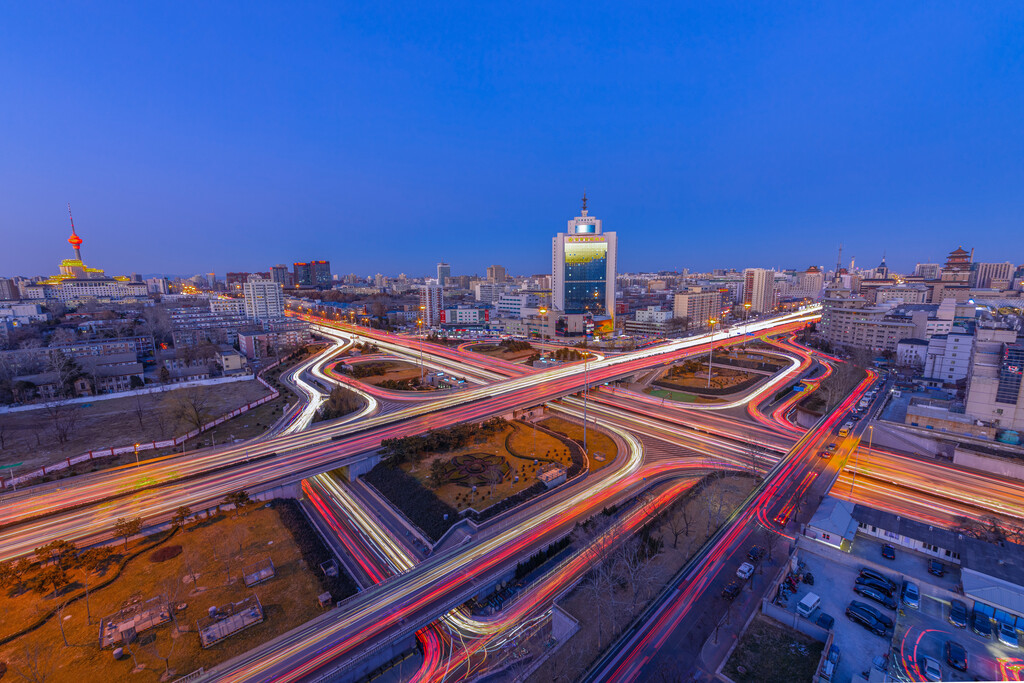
(958, 613)
(866, 620)
(930, 668)
(981, 624)
(830, 664)
(936, 568)
(863, 606)
(1008, 635)
(956, 655)
(872, 582)
(876, 595)
(824, 454)
(825, 620)
(755, 553)
(745, 570)
(889, 551)
(732, 590)
(855, 416)
(830, 447)
(872, 574)
(911, 596)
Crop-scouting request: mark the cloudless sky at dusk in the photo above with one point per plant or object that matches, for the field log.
(207, 136)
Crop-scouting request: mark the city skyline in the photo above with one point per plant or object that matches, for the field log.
(398, 139)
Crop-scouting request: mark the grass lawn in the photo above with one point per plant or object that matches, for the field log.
(770, 651)
(598, 443)
(29, 436)
(519, 464)
(219, 549)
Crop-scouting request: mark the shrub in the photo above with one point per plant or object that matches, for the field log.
(165, 553)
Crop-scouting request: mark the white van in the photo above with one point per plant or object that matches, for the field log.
(807, 606)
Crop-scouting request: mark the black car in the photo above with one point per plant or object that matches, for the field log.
(825, 620)
(956, 655)
(872, 574)
(868, 609)
(732, 590)
(866, 620)
(935, 568)
(958, 613)
(876, 595)
(981, 624)
(872, 582)
(889, 551)
(855, 417)
(755, 553)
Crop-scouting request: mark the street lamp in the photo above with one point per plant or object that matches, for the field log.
(853, 479)
(419, 324)
(136, 455)
(711, 346)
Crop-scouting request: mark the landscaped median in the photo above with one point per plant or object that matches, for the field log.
(477, 470)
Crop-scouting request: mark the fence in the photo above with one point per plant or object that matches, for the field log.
(149, 445)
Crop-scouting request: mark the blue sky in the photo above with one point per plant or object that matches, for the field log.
(190, 137)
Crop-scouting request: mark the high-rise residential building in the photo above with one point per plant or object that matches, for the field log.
(8, 290)
(948, 358)
(583, 267)
(280, 275)
(264, 298)
(431, 304)
(699, 306)
(983, 274)
(496, 274)
(444, 271)
(759, 290)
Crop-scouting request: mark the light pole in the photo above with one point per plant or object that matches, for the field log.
(853, 479)
(419, 324)
(586, 387)
(711, 347)
(136, 455)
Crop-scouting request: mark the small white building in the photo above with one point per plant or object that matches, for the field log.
(911, 352)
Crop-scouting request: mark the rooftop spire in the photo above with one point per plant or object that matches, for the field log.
(75, 241)
(584, 202)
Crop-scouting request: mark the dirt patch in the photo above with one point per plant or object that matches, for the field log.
(30, 437)
(208, 572)
(496, 351)
(769, 651)
(601, 448)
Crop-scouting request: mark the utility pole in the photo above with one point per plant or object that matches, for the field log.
(711, 347)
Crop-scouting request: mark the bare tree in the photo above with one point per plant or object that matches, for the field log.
(192, 407)
(60, 621)
(192, 564)
(126, 528)
(678, 521)
(140, 412)
(63, 418)
(38, 664)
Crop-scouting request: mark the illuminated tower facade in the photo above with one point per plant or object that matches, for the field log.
(583, 267)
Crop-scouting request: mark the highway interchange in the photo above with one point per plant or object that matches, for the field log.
(407, 592)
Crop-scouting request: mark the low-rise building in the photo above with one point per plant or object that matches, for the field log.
(912, 353)
(948, 357)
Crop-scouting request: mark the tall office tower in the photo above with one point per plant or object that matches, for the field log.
(280, 275)
(583, 267)
(985, 273)
(431, 304)
(496, 274)
(759, 289)
(302, 273)
(444, 271)
(929, 271)
(321, 274)
(211, 279)
(264, 299)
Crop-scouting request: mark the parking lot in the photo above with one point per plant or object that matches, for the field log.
(833, 583)
(916, 632)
